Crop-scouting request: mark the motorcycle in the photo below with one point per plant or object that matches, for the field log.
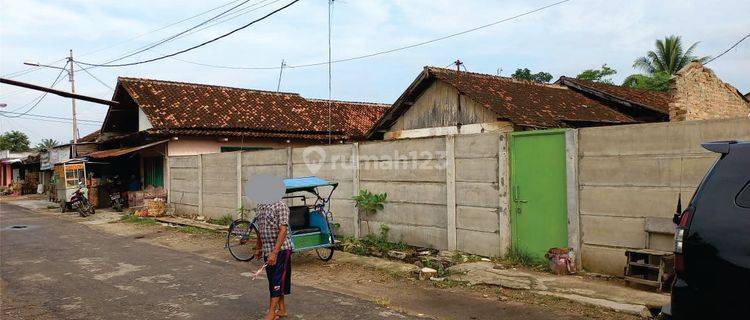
(116, 201)
(81, 203)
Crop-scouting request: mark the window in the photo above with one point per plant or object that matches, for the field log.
(232, 149)
(743, 198)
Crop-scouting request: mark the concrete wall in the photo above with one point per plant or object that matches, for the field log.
(443, 192)
(629, 175)
(191, 145)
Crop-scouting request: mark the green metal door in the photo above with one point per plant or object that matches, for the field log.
(538, 191)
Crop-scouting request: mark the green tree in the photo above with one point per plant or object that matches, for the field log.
(598, 75)
(369, 203)
(659, 81)
(669, 57)
(525, 74)
(15, 141)
(46, 144)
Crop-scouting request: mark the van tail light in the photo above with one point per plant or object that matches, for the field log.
(679, 239)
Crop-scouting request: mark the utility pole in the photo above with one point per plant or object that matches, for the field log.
(281, 71)
(73, 100)
(458, 76)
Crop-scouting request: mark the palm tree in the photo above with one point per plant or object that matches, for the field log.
(669, 57)
(46, 144)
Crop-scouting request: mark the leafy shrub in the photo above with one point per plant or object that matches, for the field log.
(369, 203)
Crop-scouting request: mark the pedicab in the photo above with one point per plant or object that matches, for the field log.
(310, 225)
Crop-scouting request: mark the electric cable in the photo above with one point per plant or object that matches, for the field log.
(377, 53)
(195, 46)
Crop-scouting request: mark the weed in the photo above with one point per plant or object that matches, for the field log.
(225, 220)
(194, 230)
(448, 283)
(524, 258)
(129, 218)
(372, 243)
(383, 302)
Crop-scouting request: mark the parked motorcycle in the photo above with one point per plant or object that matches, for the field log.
(80, 202)
(116, 201)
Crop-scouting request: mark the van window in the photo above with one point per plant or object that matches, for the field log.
(743, 198)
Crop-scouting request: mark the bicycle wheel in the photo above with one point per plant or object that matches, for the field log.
(324, 254)
(241, 240)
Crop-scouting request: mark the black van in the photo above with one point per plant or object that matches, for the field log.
(712, 241)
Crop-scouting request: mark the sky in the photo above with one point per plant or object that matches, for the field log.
(562, 40)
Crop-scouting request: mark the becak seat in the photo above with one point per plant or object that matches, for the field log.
(299, 220)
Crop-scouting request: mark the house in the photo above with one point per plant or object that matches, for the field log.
(155, 119)
(444, 101)
(10, 166)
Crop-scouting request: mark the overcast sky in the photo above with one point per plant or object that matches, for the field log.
(562, 40)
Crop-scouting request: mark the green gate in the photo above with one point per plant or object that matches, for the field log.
(539, 218)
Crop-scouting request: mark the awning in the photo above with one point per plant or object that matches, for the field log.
(121, 151)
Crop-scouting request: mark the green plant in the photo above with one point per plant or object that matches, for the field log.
(194, 230)
(598, 75)
(669, 56)
(658, 81)
(225, 220)
(369, 203)
(372, 242)
(521, 257)
(129, 218)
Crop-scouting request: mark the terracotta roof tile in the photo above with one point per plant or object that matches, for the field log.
(528, 103)
(656, 100)
(178, 105)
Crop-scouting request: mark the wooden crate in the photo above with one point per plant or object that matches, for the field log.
(649, 267)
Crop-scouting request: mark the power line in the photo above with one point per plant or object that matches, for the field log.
(377, 53)
(172, 37)
(33, 69)
(48, 117)
(159, 29)
(95, 78)
(727, 50)
(41, 97)
(195, 46)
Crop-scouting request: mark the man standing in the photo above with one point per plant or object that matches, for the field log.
(276, 248)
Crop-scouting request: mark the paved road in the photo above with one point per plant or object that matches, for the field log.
(60, 269)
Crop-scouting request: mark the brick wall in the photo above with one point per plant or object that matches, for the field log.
(698, 94)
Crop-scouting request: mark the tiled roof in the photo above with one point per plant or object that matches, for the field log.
(205, 108)
(527, 103)
(655, 100)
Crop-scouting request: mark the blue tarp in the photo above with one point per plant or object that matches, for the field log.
(305, 183)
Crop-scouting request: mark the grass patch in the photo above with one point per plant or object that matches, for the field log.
(129, 218)
(225, 220)
(194, 230)
(372, 243)
(524, 258)
(448, 283)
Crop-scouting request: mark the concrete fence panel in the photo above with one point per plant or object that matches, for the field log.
(628, 174)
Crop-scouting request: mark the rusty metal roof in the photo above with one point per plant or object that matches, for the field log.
(111, 153)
